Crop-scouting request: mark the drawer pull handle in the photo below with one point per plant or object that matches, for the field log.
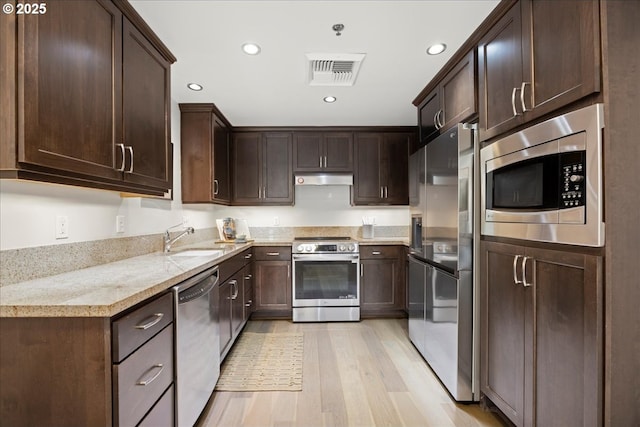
(273, 253)
(155, 318)
(153, 378)
(375, 253)
(248, 277)
(247, 256)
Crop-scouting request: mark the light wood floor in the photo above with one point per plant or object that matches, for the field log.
(354, 374)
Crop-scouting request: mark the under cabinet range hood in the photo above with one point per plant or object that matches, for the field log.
(324, 179)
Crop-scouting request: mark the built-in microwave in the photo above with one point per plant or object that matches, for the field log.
(544, 183)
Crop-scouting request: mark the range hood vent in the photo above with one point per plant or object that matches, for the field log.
(337, 69)
(324, 179)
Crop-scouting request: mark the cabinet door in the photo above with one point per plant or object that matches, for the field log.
(367, 187)
(224, 316)
(237, 303)
(500, 75)
(394, 168)
(272, 288)
(561, 45)
(247, 168)
(567, 338)
(146, 92)
(195, 154)
(458, 92)
(427, 112)
(338, 152)
(307, 152)
(502, 325)
(221, 161)
(69, 85)
(277, 182)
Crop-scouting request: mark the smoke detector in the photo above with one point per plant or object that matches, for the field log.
(337, 69)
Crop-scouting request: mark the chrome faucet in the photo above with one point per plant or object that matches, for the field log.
(168, 241)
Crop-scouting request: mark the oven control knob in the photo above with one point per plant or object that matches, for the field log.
(342, 248)
(576, 178)
(300, 248)
(309, 248)
(351, 248)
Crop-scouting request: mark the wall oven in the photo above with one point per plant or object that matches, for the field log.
(545, 182)
(326, 280)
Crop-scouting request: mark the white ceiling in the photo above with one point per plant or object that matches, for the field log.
(272, 89)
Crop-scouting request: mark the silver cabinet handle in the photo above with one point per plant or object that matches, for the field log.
(381, 192)
(320, 157)
(154, 319)
(248, 256)
(121, 168)
(515, 270)
(386, 192)
(153, 378)
(288, 270)
(248, 304)
(361, 270)
(524, 107)
(248, 277)
(375, 253)
(234, 283)
(130, 148)
(438, 117)
(325, 161)
(513, 101)
(524, 272)
(435, 120)
(216, 187)
(273, 253)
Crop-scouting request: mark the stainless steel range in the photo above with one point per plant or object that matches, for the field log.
(326, 279)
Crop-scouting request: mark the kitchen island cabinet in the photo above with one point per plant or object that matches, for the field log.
(539, 57)
(262, 168)
(541, 331)
(205, 146)
(98, 120)
(272, 287)
(380, 168)
(382, 281)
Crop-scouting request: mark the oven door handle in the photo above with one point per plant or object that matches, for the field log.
(354, 258)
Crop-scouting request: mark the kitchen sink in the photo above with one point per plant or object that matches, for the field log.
(197, 252)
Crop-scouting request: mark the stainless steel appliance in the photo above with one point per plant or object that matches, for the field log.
(545, 183)
(197, 344)
(442, 295)
(326, 279)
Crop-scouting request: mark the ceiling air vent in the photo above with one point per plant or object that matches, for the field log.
(339, 69)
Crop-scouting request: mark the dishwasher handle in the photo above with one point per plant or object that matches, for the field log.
(198, 285)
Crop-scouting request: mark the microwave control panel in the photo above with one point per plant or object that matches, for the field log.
(572, 189)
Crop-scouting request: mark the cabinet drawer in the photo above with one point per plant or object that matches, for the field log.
(141, 379)
(233, 264)
(381, 251)
(134, 329)
(162, 414)
(272, 253)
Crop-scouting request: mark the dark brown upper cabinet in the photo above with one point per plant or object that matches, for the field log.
(205, 141)
(323, 152)
(98, 119)
(540, 57)
(380, 169)
(451, 102)
(262, 168)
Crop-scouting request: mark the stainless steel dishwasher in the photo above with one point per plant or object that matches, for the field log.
(197, 344)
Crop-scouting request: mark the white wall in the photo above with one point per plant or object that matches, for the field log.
(28, 210)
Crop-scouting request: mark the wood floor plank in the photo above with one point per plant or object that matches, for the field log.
(363, 373)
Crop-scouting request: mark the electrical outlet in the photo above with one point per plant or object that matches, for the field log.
(276, 221)
(120, 224)
(62, 227)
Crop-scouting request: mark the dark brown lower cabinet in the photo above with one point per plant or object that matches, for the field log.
(542, 334)
(231, 314)
(272, 287)
(382, 281)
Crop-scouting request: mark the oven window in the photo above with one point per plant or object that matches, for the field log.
(525, 185)
(326, 280)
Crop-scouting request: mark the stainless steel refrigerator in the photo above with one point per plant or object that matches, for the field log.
(442, 293)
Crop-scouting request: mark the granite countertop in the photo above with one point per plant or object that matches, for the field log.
(108, 289)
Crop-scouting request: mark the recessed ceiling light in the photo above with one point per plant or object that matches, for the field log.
(329, 99)
(436, 49)
(194, 86)
(251, 48)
